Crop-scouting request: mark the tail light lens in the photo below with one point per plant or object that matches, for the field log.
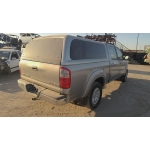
(65, 78)
(146, 57)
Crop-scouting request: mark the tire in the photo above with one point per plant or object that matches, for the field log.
(94, 100)
(124, 77)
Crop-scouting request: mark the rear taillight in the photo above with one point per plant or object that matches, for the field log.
(65, 78)
(146, 57)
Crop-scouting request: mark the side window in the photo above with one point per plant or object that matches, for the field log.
(76, 50)
(14, 54)
(23, 35)
(80, 50)
(112, 52)
(28, 35)
(94, 50)
(4, 38)
(119, 53)
(8, 39)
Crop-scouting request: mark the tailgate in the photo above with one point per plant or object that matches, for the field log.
(41, 73)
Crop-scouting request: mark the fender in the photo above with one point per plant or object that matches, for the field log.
(94, 75)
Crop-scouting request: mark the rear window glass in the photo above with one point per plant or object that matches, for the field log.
(44, 50)
(86, 50)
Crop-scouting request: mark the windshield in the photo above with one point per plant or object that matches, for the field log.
(4, 55)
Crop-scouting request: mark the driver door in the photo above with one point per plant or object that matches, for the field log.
(114, 63)
(14, 61)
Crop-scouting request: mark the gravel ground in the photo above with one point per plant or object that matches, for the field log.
(119, 99)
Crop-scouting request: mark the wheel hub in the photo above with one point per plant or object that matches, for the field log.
(95, 96)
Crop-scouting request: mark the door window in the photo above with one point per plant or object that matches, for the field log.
(119, 53)
(23, 35)
(15, 55)
(112, 52)
(28, 35)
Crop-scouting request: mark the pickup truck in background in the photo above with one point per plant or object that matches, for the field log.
(64, 68)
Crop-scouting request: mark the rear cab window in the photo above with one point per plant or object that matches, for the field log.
(46, 50)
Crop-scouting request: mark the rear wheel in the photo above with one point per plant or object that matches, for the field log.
(95, 95)
(124, 77)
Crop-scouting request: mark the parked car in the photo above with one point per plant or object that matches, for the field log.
(9, 60)
(9, 39)
(2, 43)
(27, 37)
(63, 69)
(147, 58)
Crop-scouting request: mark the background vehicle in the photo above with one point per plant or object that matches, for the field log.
(65, 68)
(147, 58)
(9, 39)
(23, 47)
(27, 37)
(9, 60)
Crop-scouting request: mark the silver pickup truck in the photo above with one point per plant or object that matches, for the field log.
(64, 68)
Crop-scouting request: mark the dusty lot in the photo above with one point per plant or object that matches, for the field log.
(119, 99)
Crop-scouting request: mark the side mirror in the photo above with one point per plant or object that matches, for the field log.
(13, 58)
(127, 58)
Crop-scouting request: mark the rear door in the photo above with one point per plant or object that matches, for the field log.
(40, 62)
(114, 63)
(122, 63)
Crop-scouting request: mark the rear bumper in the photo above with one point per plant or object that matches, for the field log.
(39, 92)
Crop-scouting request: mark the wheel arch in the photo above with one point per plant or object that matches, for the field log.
(97, 76)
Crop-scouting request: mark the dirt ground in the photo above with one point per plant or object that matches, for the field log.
(119, 99)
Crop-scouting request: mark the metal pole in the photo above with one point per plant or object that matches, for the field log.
(137, 41)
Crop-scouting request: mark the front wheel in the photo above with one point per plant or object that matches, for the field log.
(95, 95)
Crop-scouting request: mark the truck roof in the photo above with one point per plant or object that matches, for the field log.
(65, 36)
